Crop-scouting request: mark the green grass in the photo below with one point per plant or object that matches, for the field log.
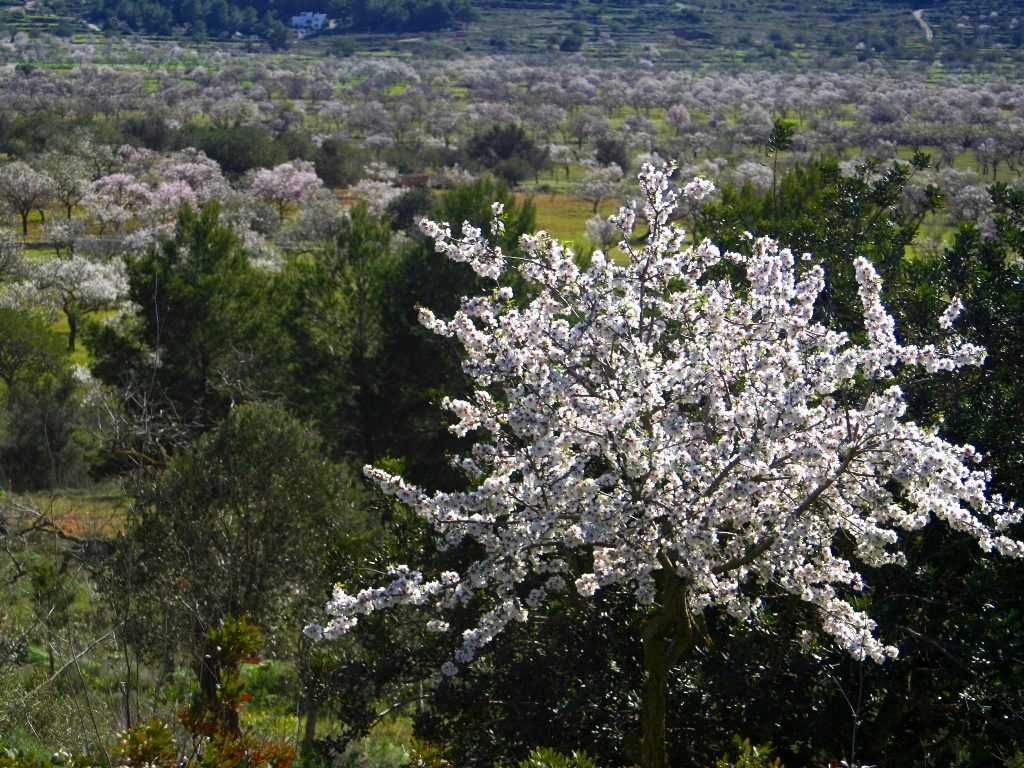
(564, 216)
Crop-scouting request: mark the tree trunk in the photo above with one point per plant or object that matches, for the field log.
(667, 635)
(72, 330)
(312, 715)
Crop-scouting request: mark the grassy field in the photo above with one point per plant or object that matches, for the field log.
(81, 512)
(564, 216)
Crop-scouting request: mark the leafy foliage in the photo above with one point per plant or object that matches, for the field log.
(236, 149)
(508, 151)
(221, 18)
(761, 680)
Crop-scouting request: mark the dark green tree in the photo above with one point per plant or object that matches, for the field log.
(410, 207)
(508, 151)
(338, 164)
(42, 445)
(361, 365)
(237, 149)
(403, 15)
(835, 218)
(779, 140)
(275, 32)
(332, 314)
(195, 341)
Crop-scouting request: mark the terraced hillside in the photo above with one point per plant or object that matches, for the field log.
(735, 33)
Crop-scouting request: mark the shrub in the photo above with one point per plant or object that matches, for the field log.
(748, 755)
(38, 450)
(549, 758)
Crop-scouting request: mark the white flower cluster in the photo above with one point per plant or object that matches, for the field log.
(664, 419)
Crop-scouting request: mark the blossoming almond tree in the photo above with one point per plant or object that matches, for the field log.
(25, 189)
(74, 285)
(695, 435)
(116, 199)
(286, 184)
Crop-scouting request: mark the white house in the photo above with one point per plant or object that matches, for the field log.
(309, 20)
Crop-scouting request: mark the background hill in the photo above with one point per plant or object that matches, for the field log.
(736, 32)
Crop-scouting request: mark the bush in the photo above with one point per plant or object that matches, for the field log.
(338, 164)
(515, 170)
(298, 146)
(233, 525)
(149, 131)
(612, 151)
(571, 43)
(17, 758)
(508, 151)
(409, 207)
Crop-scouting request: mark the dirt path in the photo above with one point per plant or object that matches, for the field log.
(919, 15)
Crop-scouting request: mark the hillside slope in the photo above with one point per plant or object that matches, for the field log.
(760, 32)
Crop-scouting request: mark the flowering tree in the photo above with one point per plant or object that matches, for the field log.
(678, 116)
(693, 436)
(11, 256)
(168, 197)
(378, 189)
(62, 234)
(286, 184)
(560, 155)
(25, 190)
(202, 175)
(74, 285)
(69, 174)
(602, 182)
(116, 199)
